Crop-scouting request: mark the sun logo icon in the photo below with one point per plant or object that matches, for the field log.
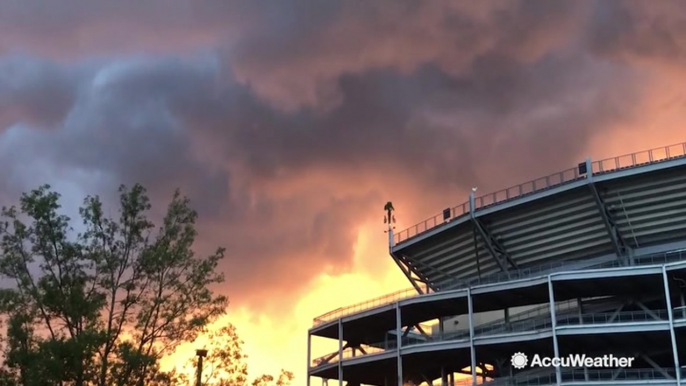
(519, 360)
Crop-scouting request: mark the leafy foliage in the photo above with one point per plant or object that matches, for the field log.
(225, 364)
(103, 306)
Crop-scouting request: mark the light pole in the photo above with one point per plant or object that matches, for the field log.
(201, 354)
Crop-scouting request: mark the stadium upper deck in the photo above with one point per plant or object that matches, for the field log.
(605, 207)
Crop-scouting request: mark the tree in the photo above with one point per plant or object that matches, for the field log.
(225, 364)
(101, 307)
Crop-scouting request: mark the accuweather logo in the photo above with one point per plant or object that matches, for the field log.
(520, 361)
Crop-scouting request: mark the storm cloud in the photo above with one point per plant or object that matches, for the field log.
(290, 124)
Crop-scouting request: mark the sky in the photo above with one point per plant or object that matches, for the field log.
(290, 124)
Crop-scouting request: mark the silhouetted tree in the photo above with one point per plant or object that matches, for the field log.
(101, 307)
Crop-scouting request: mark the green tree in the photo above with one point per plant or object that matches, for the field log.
(101, 307)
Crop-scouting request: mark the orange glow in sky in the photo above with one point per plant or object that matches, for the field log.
(273, 342)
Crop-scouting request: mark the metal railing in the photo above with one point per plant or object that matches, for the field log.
(517, 191)
(366, 305)
(615, 375)
(679, 313)
(561, 308)
(446, 336)
(639, 158)
(661, 258)
(614, 317)
(543, 323)
(657, 258)
(608, 165)
(612, 376)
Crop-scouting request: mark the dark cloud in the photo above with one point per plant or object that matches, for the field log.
(38, 92)
(434, 128)
(290, 130)
(299, 63)
(82, 28)
(640, 32)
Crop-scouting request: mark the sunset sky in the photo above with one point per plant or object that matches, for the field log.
(290, 123)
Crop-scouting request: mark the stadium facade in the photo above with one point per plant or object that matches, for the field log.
(590, 261)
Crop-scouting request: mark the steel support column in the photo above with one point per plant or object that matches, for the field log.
(309, 357)
(340, 352)
(580, 306)
(553, 318)
(470, 306)
(399, 341)
(675, 351)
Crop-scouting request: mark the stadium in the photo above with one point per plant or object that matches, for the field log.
(589, 262)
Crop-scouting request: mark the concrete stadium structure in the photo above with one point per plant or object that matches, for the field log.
(590, 260)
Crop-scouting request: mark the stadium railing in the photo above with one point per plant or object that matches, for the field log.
(365, 305)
